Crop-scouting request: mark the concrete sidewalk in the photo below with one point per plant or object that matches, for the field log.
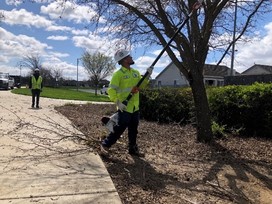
(41, 160)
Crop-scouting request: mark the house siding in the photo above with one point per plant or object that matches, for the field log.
(171, 77)
(216, 76)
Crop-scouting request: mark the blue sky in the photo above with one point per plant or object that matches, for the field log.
(38, 28)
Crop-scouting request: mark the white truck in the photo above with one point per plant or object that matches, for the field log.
(6, 82)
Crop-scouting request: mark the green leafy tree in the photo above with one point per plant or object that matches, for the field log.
(98, 67)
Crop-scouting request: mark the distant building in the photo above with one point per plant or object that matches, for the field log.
(256, 73)
(258, 69)
(172, 77)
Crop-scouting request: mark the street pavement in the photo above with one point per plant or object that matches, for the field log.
(42, 160)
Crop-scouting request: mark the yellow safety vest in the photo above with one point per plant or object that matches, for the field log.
(36, 84)
(122, 83)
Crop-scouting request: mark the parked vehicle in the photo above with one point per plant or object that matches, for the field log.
(6, 82)
(104, 90)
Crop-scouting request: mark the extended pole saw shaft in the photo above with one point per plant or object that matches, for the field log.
(196, 6)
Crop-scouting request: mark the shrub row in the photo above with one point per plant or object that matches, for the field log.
(244, 108)
(247, 109)
(167, 105)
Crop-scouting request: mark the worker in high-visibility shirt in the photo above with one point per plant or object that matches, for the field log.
(36, 85)
(122, 83)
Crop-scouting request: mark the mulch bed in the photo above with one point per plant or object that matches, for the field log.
(176, 168)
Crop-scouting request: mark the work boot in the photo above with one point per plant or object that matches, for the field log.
(134, 151)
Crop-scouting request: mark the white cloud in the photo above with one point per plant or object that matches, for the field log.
(69, 11)
(13, 2)
(16, 47)
(257, 51)
(59, 55)
(23, 17)
(26, 18)
(18, 2)
(94, 44)
(60, 38)
(20, 45)
(58, 28)
(80, 32)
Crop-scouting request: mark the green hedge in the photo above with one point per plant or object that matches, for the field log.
(248, 108)
(167, 105)
(244, 108)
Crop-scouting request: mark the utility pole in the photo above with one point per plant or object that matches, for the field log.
(77, 73)
(20, 74)
(233, 39)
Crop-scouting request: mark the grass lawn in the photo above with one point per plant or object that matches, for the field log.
(65, 93)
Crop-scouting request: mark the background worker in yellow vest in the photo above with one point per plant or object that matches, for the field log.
(122, 83)
(36, 85)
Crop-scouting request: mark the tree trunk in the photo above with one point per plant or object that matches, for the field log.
(203, 117)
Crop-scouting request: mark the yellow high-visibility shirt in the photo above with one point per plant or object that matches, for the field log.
(36, 84)
(122, 83)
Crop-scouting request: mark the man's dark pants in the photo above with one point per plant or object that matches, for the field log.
(125, 120)
(35, 95)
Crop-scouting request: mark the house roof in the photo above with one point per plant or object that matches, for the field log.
(217, 70)
(209, 70)
(267, 68)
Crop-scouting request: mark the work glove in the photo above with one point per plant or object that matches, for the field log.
(149, 70)
(135, 90)
(122, 107)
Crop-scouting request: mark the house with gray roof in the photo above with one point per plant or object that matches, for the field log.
(172, 77)
(258, 69)
(256, 73)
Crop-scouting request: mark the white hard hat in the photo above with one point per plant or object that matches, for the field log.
(36, 70)
(121, 54)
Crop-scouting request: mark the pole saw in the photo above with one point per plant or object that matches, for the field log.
(196, 6)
